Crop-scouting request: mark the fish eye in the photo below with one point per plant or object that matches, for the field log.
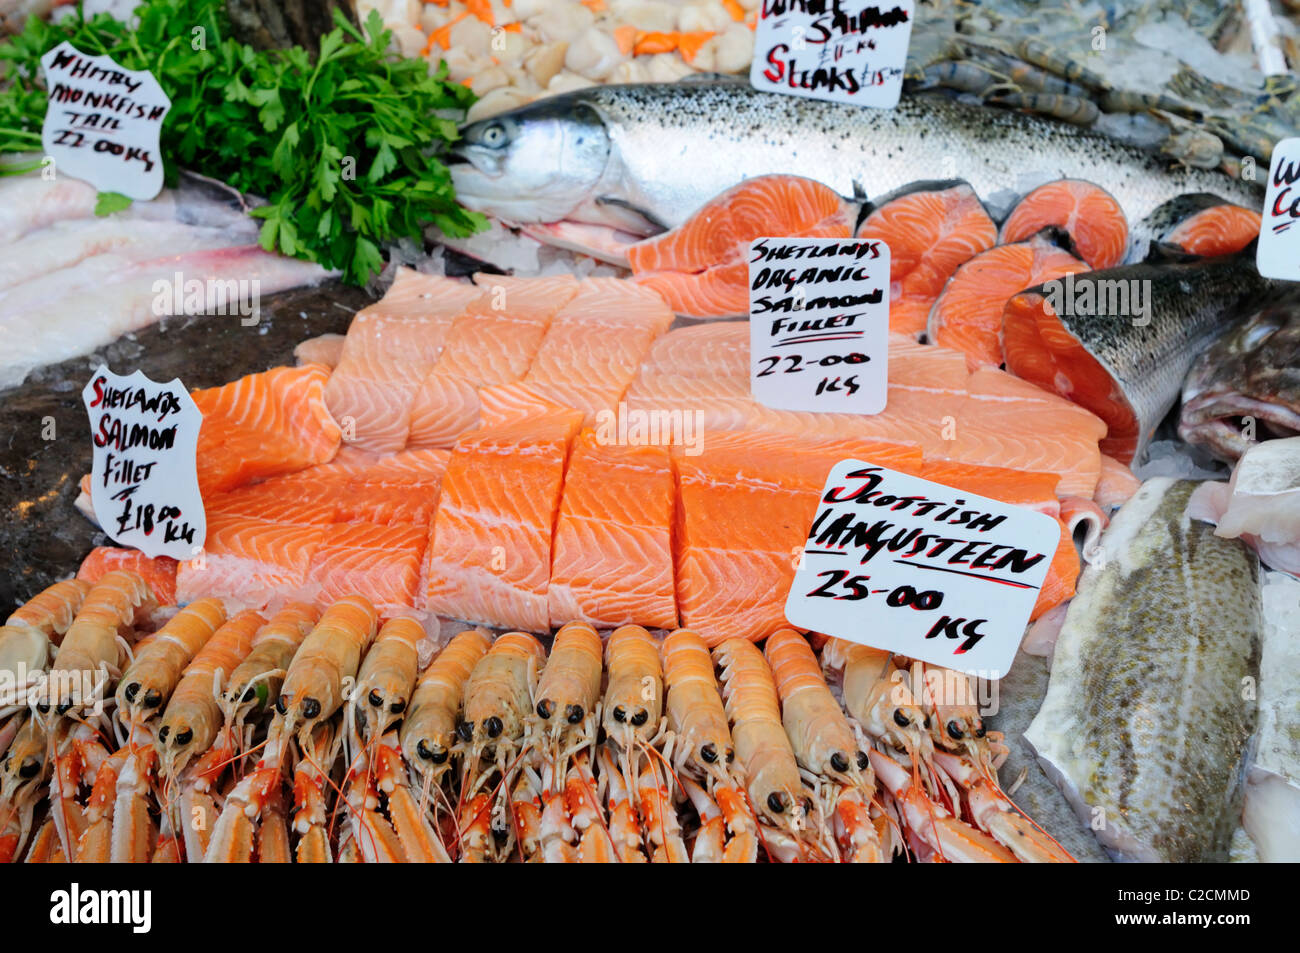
(494, 135)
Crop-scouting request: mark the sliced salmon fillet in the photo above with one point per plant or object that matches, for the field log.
(701, 267)
(590, 354)
(744, 508)
(612, 563)
(1088, 213)
(326, 349)
(263, 425)
(380, 562)
(1039, 349)
(250, 561)
(277, 501)
(390, 348)
(931, 228)
(158, 571)
(967, 316)
(1218, 230)
(493, 342)
(489, 553)
(985, 418)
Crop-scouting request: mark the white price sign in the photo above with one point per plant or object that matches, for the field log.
(915, 567)
(144, 487)
(848, 51)
(1278, 253)
(819, 324)
(103, 123)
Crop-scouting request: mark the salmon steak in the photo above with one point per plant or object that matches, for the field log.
(701, 267)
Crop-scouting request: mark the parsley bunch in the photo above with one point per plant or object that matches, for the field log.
(342, 144)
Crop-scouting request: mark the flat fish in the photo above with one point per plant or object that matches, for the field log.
(1147, 716)
(1119, 341)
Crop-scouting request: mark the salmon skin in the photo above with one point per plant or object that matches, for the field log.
(931, 229)
(1198, 223)
(1251, 372)
(1120, 341)
(643, 158)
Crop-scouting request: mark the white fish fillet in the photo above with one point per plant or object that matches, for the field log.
(1260, 504)
(65, 244)
(29, 202)
(112, 296)
(1272, 811)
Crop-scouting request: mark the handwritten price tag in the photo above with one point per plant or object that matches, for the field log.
(848, 51)
(915, 567)
(1278, 253)
(104, 122)
(819, 324)
(144, 487)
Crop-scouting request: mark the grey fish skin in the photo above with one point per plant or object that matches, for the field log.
(1146, 354)
(1144, 726)
(666, 149)
(1252, 370)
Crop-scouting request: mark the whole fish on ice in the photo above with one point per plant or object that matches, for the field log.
(638, 159)
(1148, 715)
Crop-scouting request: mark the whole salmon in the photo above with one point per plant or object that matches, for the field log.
(641, 158)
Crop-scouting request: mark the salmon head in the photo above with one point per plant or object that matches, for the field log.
(540, 163)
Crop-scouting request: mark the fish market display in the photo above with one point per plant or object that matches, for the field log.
(1118, 342)
(597, 156)
(489, 752)
(1246, 386)
(1145, 724)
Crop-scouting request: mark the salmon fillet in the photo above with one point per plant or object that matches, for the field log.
(263, 425)
(701, 267)
(493, 342)
(590, 354)
(984, 418)
(380, 562)
(489, 553)
(744, 508)
(158, 571)
(1219, 230)
(1088, 213)
(613, 564)
(250, 561)
(391, 346)
(930, 228)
